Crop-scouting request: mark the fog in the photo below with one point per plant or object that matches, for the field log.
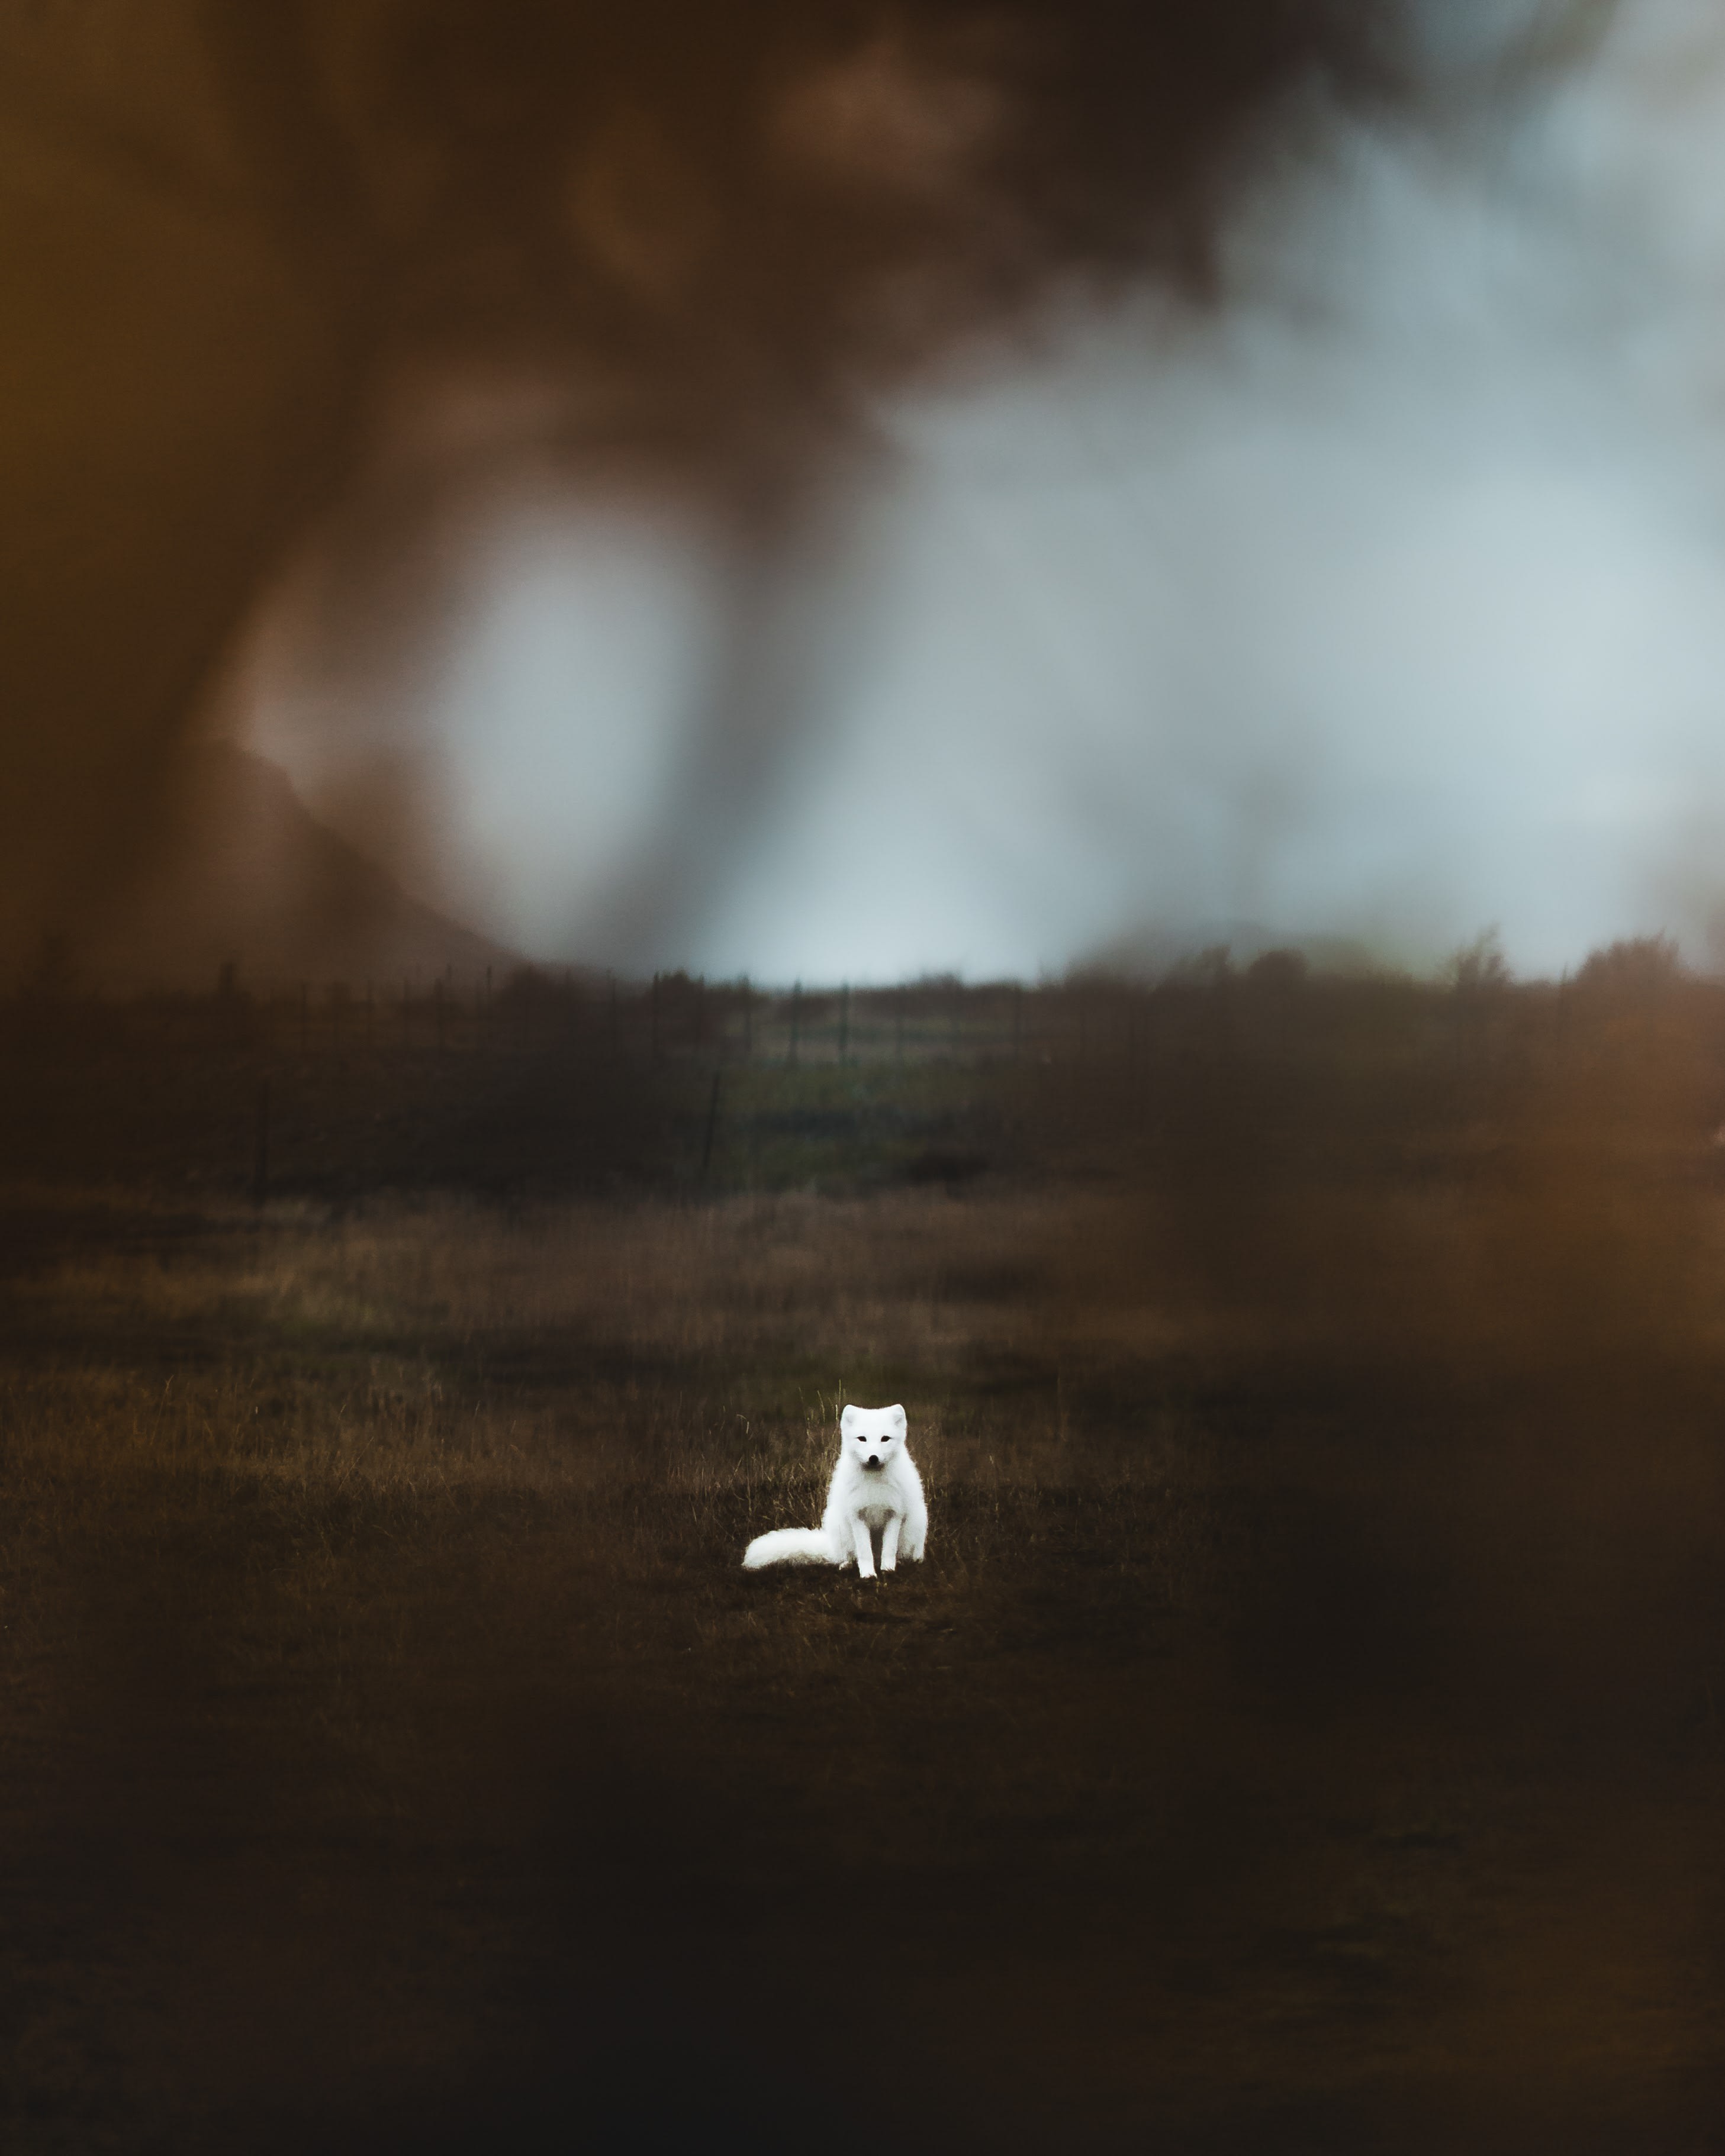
(1382, 600)
(829, 495)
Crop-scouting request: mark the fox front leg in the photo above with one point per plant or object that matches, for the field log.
(889, 1543)
(865, 1546)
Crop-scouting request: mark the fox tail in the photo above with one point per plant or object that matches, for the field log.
(790, 1546)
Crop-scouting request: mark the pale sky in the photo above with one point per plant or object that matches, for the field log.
(1389, 602)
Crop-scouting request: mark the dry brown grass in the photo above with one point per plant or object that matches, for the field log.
(1299, 1735)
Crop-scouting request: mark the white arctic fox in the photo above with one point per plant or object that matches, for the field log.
(875, 1485)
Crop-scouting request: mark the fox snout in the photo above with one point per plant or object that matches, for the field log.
(873, 1461)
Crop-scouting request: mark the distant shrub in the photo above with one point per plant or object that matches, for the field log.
(1479, 965)
(1634, 967)
(1206, 968)
(1279, 970)
(523, 986)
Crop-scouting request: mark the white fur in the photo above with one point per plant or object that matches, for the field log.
(860, 1499)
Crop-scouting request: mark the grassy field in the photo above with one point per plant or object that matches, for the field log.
(1305, 1733)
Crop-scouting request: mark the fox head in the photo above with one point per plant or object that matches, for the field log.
(872, 1436)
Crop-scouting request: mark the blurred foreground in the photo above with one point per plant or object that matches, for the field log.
(1305, 1733)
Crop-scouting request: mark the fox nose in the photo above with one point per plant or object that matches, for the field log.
(873, 1460)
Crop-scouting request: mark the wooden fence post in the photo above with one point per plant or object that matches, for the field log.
(712, 1120)
(261, 1151)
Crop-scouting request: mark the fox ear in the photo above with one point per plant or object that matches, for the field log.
(848, 1419)
(898, 1416)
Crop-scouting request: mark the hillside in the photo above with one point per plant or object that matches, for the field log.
(247, 877)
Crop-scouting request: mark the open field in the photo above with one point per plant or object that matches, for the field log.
(1305, 1733)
